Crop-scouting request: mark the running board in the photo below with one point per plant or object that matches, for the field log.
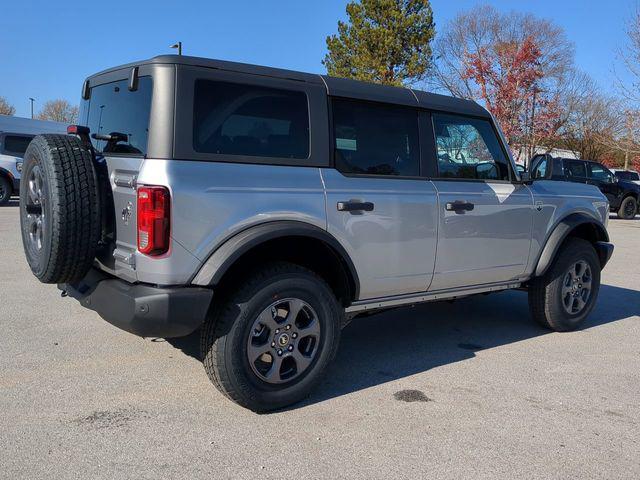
(411, 298)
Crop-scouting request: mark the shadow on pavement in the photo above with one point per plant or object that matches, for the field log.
(614, 216)
(13, 202)
(406, 341)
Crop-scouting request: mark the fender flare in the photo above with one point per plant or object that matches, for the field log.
(15, 184)
(560, 232)
(233, 248)
(6, 173)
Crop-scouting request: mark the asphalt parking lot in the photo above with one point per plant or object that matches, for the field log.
(472, 389)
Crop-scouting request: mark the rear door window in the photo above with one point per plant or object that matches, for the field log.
(374, 139)
(468, 148)
(16, 144)
(119, 118)
(250, 120)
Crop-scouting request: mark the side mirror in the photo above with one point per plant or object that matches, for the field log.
(487, 171)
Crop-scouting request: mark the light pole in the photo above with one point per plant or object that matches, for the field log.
(178, 46)
(32, 100)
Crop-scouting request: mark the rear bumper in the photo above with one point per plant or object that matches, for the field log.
(604, 250)
(140, 309)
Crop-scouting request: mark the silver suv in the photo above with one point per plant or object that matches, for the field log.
(268, 207)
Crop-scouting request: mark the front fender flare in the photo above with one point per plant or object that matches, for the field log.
(561, 231)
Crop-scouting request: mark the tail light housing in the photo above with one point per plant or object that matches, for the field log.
(153, 220)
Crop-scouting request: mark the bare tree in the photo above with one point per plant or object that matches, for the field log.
(630, 57)
(625, 136)
(6, 108)
(59, 111)
(591, 126)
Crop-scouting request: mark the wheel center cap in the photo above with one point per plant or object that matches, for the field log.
(283, 339)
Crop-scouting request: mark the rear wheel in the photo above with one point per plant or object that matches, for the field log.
(5, 190)
(563, 298)
(271, 341)
(628, 208)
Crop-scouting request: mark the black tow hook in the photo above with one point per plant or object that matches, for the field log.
(64, 293)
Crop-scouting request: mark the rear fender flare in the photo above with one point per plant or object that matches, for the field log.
(232, 249)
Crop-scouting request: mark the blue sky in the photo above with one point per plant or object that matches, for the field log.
(48, 47)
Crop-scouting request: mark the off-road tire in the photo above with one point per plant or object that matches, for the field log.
(224, 335)
(5, 190)
(69, 206)
(628, 208)
(545, 292)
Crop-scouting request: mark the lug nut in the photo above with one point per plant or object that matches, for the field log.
(279, 352)
(294, 335)
(273, 344)
(288, 327)
(277, 330)
(290, 347)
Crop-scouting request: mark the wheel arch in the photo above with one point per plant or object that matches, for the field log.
(577, 225)
(7, 174)
(291, 240)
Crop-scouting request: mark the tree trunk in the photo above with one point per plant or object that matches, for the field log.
(626, 160)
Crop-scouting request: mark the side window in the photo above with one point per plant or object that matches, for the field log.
(375, 139)
(16, 144)
(468, 148)
(237, 119)
(575, 168)
(118, 118)
(598, 172)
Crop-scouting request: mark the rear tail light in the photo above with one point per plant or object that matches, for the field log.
(153, 220)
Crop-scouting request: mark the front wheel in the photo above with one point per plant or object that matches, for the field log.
(628, 208)
(271, 341)
(564, 296)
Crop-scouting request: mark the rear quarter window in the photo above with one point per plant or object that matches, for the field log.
(113, 109)
(250, 120)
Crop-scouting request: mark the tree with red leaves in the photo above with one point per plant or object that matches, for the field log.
(507, 77)
(519, 66)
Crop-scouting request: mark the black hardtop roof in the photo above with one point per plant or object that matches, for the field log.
(339, 87)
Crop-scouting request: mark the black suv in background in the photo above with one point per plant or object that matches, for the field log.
(623, 195)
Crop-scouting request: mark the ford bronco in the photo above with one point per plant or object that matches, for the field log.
(266, 208)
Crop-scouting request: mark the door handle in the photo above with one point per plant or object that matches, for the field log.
(459, 206)
(352, 206)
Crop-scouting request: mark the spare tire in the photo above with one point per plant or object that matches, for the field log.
(59, 208)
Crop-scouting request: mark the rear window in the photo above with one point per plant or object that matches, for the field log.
(115, 111)
(248, 120)
(16, 144)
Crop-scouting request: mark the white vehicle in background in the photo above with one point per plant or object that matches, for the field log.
(15, 135)
(628, 175)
